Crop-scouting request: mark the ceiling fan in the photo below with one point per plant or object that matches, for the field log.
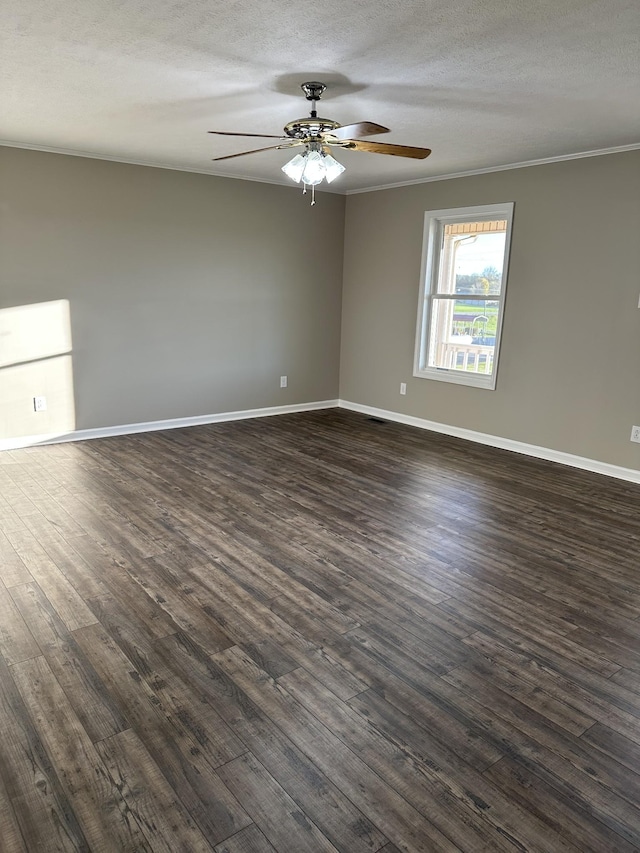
(318, 136)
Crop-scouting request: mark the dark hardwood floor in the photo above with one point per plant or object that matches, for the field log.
(316, 632)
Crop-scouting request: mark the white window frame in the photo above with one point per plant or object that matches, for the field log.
(434, 222)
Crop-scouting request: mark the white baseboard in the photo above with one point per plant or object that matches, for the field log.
(630, 474)
(547, 453)
(153, 426)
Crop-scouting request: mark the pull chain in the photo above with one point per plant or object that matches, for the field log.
(313, 193)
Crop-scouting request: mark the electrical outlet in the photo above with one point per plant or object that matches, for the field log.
(39, 404)
(283, 381)
(635, 433)
(403, 387)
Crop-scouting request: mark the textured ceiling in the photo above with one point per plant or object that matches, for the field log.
(483, 83)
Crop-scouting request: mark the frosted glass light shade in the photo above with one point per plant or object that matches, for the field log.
(314, 170)
(332, 169)
(295, 167)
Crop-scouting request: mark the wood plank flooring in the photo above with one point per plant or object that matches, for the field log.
(316, 633)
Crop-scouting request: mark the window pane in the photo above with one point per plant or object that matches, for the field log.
(463, 334)
(471, 263)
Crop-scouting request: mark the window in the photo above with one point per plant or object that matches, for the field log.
(464, 277)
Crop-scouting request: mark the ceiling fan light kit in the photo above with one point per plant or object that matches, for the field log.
(318, 135)
(313, 167)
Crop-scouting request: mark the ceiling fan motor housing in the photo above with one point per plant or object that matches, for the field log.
(303, 128)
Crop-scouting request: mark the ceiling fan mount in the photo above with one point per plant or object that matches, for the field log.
(313, 90)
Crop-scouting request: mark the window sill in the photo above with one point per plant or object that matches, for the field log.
(458, 377)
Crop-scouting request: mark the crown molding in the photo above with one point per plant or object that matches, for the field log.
(69, 152)
(487, 170)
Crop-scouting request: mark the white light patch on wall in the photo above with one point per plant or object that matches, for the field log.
(36, 360)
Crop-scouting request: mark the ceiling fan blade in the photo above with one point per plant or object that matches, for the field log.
(388, 148)
(261, 135)
(356, 131)
(255, 151)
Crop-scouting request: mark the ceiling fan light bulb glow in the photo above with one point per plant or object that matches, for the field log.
(332, 169)
(314, 169)
(295, 167)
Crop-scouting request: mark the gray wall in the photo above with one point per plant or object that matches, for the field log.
(569, 375)
(188, 294)
(191, 295)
